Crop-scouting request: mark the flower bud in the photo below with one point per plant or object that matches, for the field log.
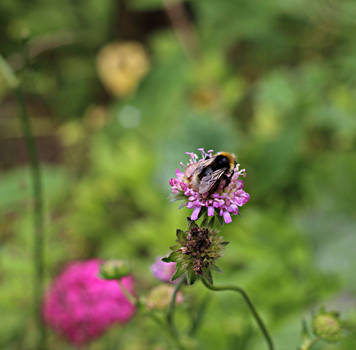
(114, 270)
(327, 326)
(160, 297)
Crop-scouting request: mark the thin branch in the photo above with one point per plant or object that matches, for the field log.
(38, 213)
(170, 313)
(38, 223)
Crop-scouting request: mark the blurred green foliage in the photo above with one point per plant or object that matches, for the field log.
(274, 82)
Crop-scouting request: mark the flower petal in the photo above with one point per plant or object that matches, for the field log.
(227, 217)
(195, 213)
(211, 211)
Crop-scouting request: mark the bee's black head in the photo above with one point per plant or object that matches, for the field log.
(222, 162)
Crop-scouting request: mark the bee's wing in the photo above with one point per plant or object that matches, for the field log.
(209, 181)
(190, 169)
(197, 167)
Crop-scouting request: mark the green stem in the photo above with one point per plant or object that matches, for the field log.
(250, 305)
(127, 294)
(38, 246)
(163, 325)
(309, 344)
(199, 316)
(170, 313)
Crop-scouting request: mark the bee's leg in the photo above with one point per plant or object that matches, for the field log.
(228, 179)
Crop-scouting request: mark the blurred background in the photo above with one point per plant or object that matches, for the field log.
(118, 90)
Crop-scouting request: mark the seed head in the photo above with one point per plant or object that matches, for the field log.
(197, 250)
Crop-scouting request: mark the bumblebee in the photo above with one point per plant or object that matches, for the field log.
(211, 173)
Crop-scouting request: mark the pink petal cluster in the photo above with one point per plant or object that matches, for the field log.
(162, 270)
(224, 202)
(81, 306)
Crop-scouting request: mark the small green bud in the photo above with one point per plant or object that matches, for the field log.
(327, 326)
(114, 270)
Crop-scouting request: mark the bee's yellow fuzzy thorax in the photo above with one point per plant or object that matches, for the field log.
(231, 157)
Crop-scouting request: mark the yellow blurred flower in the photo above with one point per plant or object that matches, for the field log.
(121, 66)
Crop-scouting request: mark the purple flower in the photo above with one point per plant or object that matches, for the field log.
(81, 306)
(223, 202)
(162, 270)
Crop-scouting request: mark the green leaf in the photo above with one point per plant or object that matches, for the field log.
(8, 74)
(202, 212)
(179, 271)
(204, 222)
(208, 276)
(191, 276)
(180, 235)
(171, 257)
(216, 268)
(220, 219)
(211, 222)
(191, 223)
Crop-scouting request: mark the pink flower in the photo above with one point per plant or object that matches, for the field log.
(162, 270)
(223, 202)
(81, 306)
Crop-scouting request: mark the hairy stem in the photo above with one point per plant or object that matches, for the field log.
(38, 246)
(170, 313)
(250, 305)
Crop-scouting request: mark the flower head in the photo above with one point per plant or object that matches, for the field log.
(197, 250)
(81, 306)
(226, 199)
(162, 270)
